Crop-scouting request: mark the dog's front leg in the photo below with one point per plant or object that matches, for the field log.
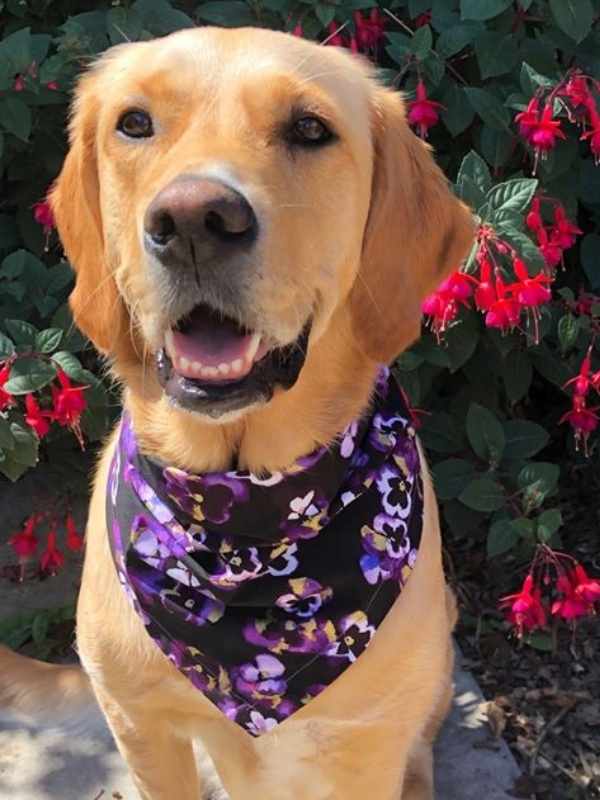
(162, 763)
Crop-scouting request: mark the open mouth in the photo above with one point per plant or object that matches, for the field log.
(212, 365)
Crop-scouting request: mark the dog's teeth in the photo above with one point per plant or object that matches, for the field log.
(184, 363)
(252, 348)
(196, 367)
(224, 368)
(209, 372)
(237, 365)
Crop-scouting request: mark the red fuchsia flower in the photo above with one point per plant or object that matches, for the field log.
(369, 30)
(594, 134)
(524, 609)
(52, 559)
(530, 292)
(584, 303)
(485, 293)
(441, 310)
(458, 286)
(53, 86)
(25, 542)
(68, 401)
(541, 132)
(297, 31)
(422, 112)
(527, 120)
(571, 606)
(74, 539)
(586, 588)
(6, 398)
(42, 213)
(19, 84)
(423, 19)
(35, 417)
(582, 419)
(505, 313)
(582, 382)
(549, 249)
(533, 220)
(576, 91)
(353, 45)
(564, 233)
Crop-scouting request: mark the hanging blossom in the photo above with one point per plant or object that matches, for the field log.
(52, 559)
(6, 398)
(42, 213)
(74, 540)
(368, 33)
(556, 586)
(423, 113)
(554, 239)
(582, 417)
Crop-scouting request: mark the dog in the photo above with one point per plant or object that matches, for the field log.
(268, 192)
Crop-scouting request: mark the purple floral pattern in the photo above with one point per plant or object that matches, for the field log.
(263, 589)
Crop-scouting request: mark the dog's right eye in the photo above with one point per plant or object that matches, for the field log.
(135, 124)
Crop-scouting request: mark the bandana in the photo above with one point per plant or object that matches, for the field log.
(263, 588)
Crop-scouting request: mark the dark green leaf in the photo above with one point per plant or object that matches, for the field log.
(590, 259)
(568, 331)
(441, 433)
(450, 477)
(461, 341)
(7, 348)
(573, 17)
(589, 182)
(409, 361)
(16, 49)
(26, 446)
(483, 494)
(124, 25)
(70, 364)
(460, 519)
(7, 441)
(502, 536)
(538, 480)
(531, 80)
(230, 13)
(497, 146)
(485, 433)
(15, 117)
(452, 40)
(482, 9)
(540, 641)
(29, 375)
(457, 114)
(523, 438)
(325, 13)
(47, 341)
(517, 375)
(39, 628)
(548, 523)
(496, 53)
(12, 469)
(421, 42)
(20, 331)
(468, 191)
(474, 167)
(488, 107)
(514, 195)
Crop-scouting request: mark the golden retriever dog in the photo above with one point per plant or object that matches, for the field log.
(274, 185)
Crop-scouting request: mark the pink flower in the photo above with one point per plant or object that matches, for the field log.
(533, 220)
(52, 558)
(297, 31)
(485, 294)
(53, 86)
(582, 380)
(527, 120)
(74, 538)
(6, 398)
(546, 131)
(42, 213)
(35, 417)
(528, 291)
(582, 419)
(458, 286)
(25, 542)
(571, 606)
(524, 609)
(564, 232)
(505, 312)
(19, 84)
(441, 310)
(586, 588)
(576, 91)
(369, 30)
(422, 112)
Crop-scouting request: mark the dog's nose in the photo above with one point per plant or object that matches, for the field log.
(198, 216)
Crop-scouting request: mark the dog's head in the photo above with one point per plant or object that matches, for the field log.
(229, 197)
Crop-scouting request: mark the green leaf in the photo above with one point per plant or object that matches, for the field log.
(497, 146)
(421, 42)
(12, 469)
(26, 446)
(482, 9)
(29, 375)
(496, 53)
(457, 114)
(324, 13)
(7, 441)
(124, 25)
(229, 13)
(47, 341)
(485, 433)
(528, 251)
(409, 361)
(540, 641)
(441, 433)
(470, 193)
(514, 195)
(71, 365)
(7, 348)
(450, 477)
(538, 480)
(524, 439)
(15, 117)
(573, 17)
(14, 264)
(462, 340)
(483, 494)
(548, 523)
(502, 537)
(474, 167)
(568, 331)
(21, 332)
(517, 374)
(488, 107)
(531, 80)
(549, 366)
(452, 40)
(39, 628)
(16, 49)
(590, 259)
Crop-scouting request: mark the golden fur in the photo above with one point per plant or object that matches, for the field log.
(356, 236)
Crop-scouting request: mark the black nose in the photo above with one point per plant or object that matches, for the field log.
(198, 218)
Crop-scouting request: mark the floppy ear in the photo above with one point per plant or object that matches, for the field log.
(417, 233)
(95, 301)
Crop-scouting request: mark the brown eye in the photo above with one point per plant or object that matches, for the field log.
(136, 125)
(310, 130)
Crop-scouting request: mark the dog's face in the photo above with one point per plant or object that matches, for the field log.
(228, 194)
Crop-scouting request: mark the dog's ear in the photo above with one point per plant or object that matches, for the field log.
(417, 233)
(75, 199)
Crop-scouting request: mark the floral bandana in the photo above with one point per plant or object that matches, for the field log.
(263, 589)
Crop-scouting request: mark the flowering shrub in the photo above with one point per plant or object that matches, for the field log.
(507, 92)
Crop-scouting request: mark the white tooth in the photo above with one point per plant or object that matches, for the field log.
(184, 363)
(209, 372)
(237, 365)
(224, 369)
(196, 367)
(253, 347)
(169, 346)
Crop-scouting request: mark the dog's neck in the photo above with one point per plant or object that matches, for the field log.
(333, 389)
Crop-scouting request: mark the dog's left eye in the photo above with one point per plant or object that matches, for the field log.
(311, 131)
(136, 124)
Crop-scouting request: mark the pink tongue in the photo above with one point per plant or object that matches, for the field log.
(211, 340)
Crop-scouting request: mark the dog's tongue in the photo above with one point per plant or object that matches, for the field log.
(211, 347)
